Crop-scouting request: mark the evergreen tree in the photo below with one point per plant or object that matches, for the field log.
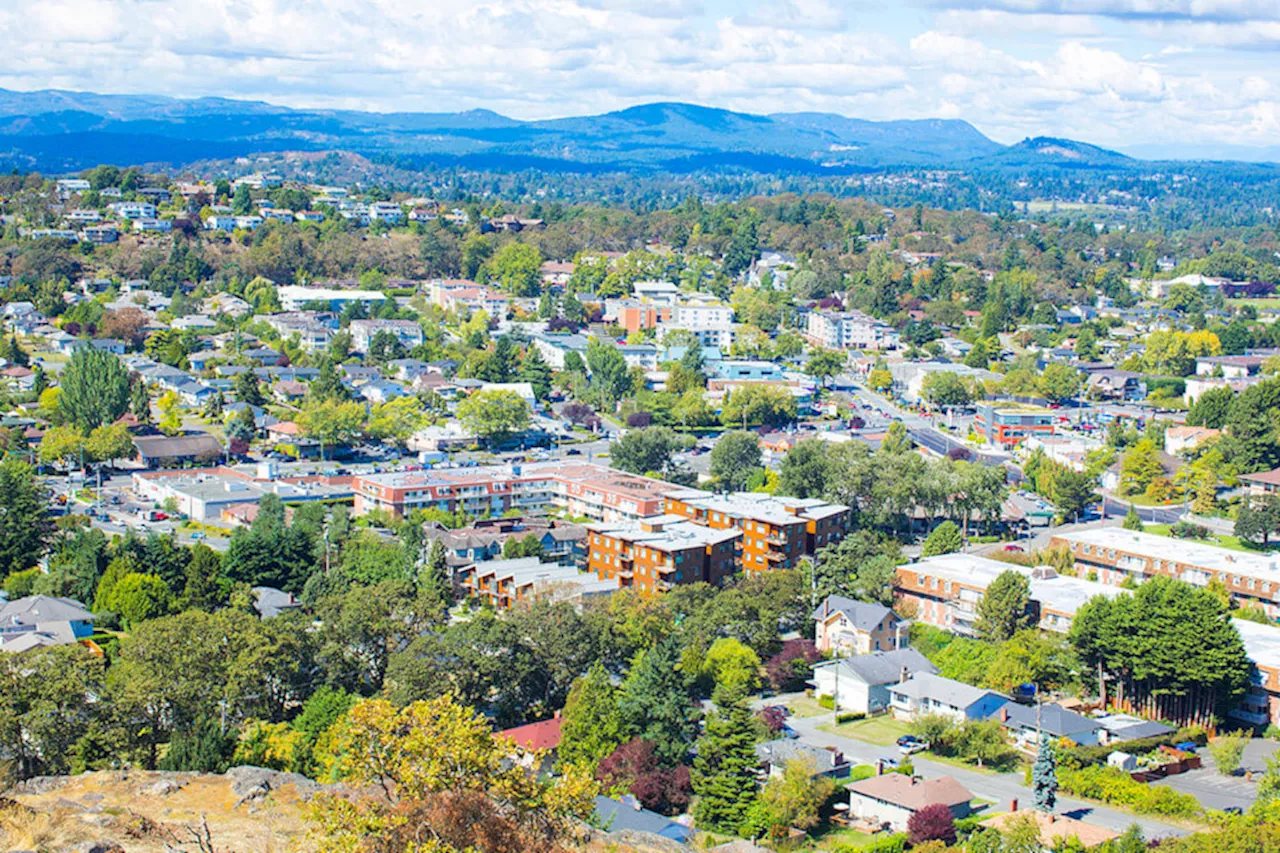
(25, 526)
(140, 402)
(724, 772)
(535, 370)
(204, 748)
(1133, 521)
(657, 704)
(213, 408)
(502, 362)
(944, 539)
(1044, 776)
(328, 385)
(204, 587)
(1003, 609)
(40, 382)
(247, 389)
(593, 725)
(95, 389)
(437, 578)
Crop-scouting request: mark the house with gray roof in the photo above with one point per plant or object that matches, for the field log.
(1026, 722)
(43, 620)
(845, 627)
(627, 815)
(775, 754)
(861, 683)
(929, 693)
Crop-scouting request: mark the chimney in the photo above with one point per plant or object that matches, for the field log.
(556, 715)
(1013, 804)
(904, 674)
(1004, 714)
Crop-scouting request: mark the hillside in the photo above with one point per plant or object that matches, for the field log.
(64, 131)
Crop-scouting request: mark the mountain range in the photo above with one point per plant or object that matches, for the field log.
(61, 131)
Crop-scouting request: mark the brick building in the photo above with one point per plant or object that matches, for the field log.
(655, 554)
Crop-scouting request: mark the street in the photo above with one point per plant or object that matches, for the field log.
(999, 788)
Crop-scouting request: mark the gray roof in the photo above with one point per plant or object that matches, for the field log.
(957, 694)
(619, 816)
(1053, 719)
(39, 609)
(883, 667)
(778, 752)
(271, 602)
(179, 447)
(863, 615)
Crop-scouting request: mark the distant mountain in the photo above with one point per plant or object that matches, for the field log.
(65, 131)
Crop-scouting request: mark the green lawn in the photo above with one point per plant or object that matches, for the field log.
(883, 730)
(965, 765)
(806, 706)
(1231, 543)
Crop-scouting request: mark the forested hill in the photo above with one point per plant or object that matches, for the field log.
(57, 131)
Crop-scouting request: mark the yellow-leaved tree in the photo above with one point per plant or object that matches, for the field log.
(431, 778)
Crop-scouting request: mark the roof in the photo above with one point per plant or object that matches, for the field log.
(38, 609)
(1178, 551)
(911, 793)
(1126, 727)
(623, 816)
(883, 667)
(1053, 719)
(1266, 478)
(1055, 827)
(183, 446)
(544, 734)
(863, 615)
(957, 694)
(780, 751)
(666, 533)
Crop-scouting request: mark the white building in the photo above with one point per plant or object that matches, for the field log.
(407, 332)
(711, 323)
(849, 330)
(385, 211)
(152, 224)
(134, 209)
(294, 297)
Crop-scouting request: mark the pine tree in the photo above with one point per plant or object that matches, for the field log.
(1003, 609)
(437, 579)
(657, 704)
(724, 771)
(40, 382)
(1044, 776)
(1133, 521)
(535, 370)
(213, 408)
(140, 402)
(944, 539)
(328, 385)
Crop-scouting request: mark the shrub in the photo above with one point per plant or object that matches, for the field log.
(850, 717)
(1186, 530)
(860, 772)
(773, 717)
(932, 823)
(827, 702)
(788, 669)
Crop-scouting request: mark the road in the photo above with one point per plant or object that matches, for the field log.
(1116, 508)
(999, 788)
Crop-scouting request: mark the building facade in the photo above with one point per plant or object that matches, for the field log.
(656, 554)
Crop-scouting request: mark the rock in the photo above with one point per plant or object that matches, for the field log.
(70, 805)
(41, 784)
(100, 820)
(102, 845)
(162, 788)
(92, 797)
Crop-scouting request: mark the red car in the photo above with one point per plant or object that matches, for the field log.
(160, 516)
(1015, 548)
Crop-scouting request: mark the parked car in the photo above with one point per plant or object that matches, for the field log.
(913, 747)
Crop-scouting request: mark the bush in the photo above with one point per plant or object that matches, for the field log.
(827, 702)
(1077, 757)
(850, 717)
(791, 666)
(1186, 530)
(932, 823)
(1115, 787)
(860, 772)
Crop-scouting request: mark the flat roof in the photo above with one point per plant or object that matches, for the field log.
(1178, 551)
(1261, 642)
(583, 473)
(677, 533)
(1059, 593)
(759, 506)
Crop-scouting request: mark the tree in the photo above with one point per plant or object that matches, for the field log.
(945, 389)
(61, 445)
(824, 364)
(247, 389)
(734, 458)
(535, 370)
(724, 769)
(437, 578)
(1140, 467)
(109, 443)
(1257, 518)
(1073, 492)
(327, 385)
(395, 420)
(943, 539)
(1211, 408)
(140, 402)
(494, 415)
(242, 201)
(331, 422)
(516, 268)
(1004, 607)
(1227, 750)
(733, 667)
(268, 552)
(634, 767)
(980, 741)
(643, 450)
(758, 405)
(95, 389)
(593, 725)
(609, 376)
(934, 822)
(792, 799)
(1133, 521)
(881, 380)
(656, 703)
(1044, 776)
(1060, 382)
(804, 470)
(25, 526)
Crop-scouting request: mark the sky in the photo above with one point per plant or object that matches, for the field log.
(1192, 77)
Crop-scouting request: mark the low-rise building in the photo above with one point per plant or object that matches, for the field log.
(862, 683)
(407, 332)
(42, 620)
(1010, 425)
(891, 799)
(845, 330)
(295, 297)
(1057, 831)
(926, 693)
(846, 627)
(1183, 439)
(1027, 722)
(503, 584)
(657, 553)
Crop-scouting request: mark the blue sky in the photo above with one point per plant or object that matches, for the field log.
(1187, 76)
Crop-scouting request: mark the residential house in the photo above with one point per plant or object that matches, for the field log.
(928, 693)
(774, 756)
(846, 627)
(1026, 722)
(271, 602)
(891, 799)
(407, 332)
(1057, 831)
(41, 620)
(1263, 482)
(18, 378)
(862, 683)
(627, 815)
(1183, 439)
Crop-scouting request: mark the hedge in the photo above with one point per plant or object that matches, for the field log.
(1116, 787)
(828, 702)
(1081, 756)
(896, 843)
(850, 717)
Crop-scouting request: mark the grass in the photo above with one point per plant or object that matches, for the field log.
(965, 765)
(1231, 543)
(806, 706)
(883, 730)
(850, 838)
(1261, 302)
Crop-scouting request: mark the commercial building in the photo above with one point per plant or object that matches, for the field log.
(657, 553)
(580, 488)
(849, 330)
(945, 591)
(1010, 425)
(295, 298)
(1113, 554)
(204, 494)
(777, 531)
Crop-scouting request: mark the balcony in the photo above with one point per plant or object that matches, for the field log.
(777, 556)
(774, 539)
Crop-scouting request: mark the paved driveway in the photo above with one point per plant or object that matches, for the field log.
(1215, 791)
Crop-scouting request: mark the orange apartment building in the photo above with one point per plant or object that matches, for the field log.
(503, 584)
(638, 316)
(1261, 704)
(655, 554)
(776, 532)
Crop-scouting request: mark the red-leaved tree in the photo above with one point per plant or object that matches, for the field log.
(934, 822)
(788, 669)
(634, 767)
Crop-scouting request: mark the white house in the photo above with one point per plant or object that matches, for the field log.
(929, 693)
(862, 683)
(893, 798)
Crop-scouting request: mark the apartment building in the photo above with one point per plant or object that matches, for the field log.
(945, 591)
(1261, 704)
(503, 584)
(581, 488)
(710, 322)
(1009, 426)
(466, 295)
(849, 330)
(133, 209)
(776, 531)
(295, 297)
(1114, 554)
(655, 554)
(407, 332)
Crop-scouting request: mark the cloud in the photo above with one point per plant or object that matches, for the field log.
(1200, 10)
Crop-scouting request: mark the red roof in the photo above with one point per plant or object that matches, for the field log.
(17, 371)
(543, 735)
